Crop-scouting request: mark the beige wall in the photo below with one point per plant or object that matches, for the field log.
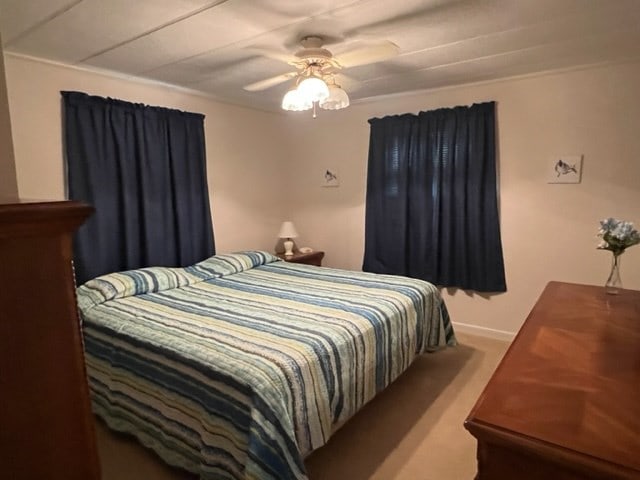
(243, 152)
(548, 231)
(264, 167)
(8, 183)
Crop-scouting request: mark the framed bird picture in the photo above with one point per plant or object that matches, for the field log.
(565, 169)
(330, 177)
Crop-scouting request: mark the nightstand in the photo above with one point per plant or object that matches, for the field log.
(313, 258)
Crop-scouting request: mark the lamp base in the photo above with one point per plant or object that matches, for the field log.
(288, 248)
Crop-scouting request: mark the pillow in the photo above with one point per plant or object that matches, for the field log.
(130, 283)
(228, 264)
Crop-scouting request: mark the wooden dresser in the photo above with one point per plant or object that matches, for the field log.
(564, 403)
(46, 426)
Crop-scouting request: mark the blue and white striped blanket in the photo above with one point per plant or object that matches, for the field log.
(241, 365)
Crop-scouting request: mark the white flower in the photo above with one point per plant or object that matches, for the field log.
(617, 235)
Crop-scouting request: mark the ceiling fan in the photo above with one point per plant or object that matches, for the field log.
(314, 81)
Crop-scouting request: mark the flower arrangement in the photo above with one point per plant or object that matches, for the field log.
(617, 235)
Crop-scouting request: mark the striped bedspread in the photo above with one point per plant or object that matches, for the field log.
(241, 365)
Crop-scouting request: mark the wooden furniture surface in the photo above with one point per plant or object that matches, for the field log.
(564, 403)
(313, 258)
(46, 426)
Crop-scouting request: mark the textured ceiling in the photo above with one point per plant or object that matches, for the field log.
(211, 46)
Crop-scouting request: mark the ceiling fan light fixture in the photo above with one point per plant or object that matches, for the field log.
(337, 99)
(294, 101)
(313, 89)
(316, 69)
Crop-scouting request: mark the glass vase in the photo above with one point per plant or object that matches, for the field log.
(614, 282)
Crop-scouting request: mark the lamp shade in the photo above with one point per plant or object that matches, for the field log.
(336, 100)
(293, 101)
(287, 230)
(313, 89)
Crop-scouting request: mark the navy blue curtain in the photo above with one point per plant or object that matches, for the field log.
(144, 170)
(432, 209)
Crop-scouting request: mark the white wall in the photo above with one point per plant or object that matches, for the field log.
(8, 182)
(548, 231)
(243, 151)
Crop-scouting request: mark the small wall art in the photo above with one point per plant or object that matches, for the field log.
(330, 178)
(565, 169)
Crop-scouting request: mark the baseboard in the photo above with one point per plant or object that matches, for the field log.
(484, 331)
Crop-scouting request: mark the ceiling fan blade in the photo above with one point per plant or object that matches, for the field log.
(346, 82)
(269, 82)
(272, 53)
(369, 54)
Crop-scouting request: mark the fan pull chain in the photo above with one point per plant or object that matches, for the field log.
(314, 109)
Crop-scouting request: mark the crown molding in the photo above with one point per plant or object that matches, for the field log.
(133, 79)
(524, 76)
(361, 101)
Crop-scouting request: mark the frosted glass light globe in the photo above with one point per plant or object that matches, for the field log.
(336, 100)
(313, 89)
(293, 101)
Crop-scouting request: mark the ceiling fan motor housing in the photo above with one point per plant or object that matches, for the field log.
(312, 53)
(312, 60)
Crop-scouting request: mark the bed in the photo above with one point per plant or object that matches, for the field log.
(241, 365)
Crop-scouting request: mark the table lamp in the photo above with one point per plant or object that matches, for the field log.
(288, 231)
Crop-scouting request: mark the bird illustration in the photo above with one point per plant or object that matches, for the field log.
(563, 168)
(329, 176)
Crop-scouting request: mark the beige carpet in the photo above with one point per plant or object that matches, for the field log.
(413, 430)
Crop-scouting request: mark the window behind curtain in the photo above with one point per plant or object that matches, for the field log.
(144, 170)
(432, 210)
